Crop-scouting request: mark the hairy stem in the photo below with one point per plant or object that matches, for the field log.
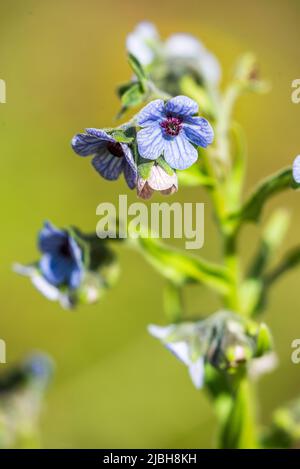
(237, 426)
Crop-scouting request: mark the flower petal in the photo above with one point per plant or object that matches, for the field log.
(90, 142)
(76, 252)
(181, 106)
(137, 42)
(170, 191)
(151, 113)
(199, 131)
(179, 153)
(159, 180)
(144, 190)
(150, 142)
(183, 46)
(49, 291)
(75, 278)
(210, 68)
(160, 332)
(261, 365)
(196, 371)
(296, 169)
(99, 133)
(55, 269)
(129, 156)
(180, 350)
(50, 238)
(130, 176)
(108, 165)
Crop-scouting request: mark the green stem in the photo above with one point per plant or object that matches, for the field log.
(215, 190)
(223, 124)
(234, 406)
(236, 417)
(231, 260)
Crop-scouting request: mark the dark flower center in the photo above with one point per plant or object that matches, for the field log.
(171, 125)
(115, 149)
(65, 249)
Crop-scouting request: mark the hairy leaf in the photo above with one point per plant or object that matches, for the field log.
(271, 186)
(182, 268)
(138, 70)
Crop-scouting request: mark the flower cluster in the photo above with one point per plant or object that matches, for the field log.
(73, 267)
(177, 55)
(164, 138)
(224, 340)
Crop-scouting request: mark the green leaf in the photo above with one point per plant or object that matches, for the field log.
(289, 261)
(144, 169)
(120, 136)
(164, 165)
(121, 89)
(272, 237)
(264, 340)
(271, 186)
(138, 70)
(284, 431)
(250, 294)
(181, 268)
(133, 96)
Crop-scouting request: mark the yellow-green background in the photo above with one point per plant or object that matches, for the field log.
(115, 386)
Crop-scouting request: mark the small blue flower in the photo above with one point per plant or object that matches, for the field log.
(224, 339)
(177, 339)
(74, 268)
(61, 262)
(171, 129)
(111, 158)
(296, 169)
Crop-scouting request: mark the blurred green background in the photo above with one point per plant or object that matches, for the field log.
(115, 386)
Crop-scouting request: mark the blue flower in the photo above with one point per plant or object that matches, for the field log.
(180, 52)
(111, 158)
(178, 340)
(171, 129)
(296, 169)
(224, 339)
(74, 268)
(61, 262)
